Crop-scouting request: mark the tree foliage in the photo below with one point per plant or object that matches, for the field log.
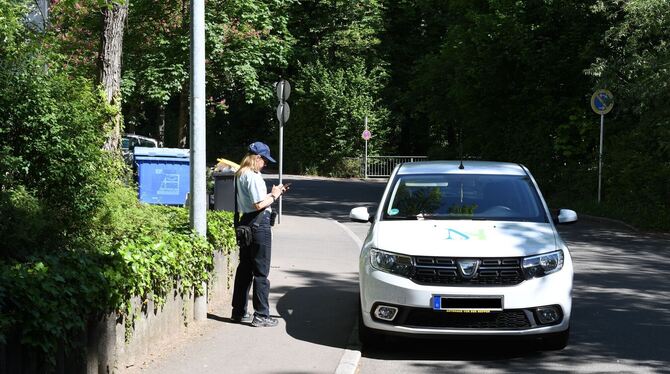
(635, 66)
(339, 75)
(246, 42)
(485, 79)
(50, 148)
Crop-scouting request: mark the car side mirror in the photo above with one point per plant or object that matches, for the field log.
(566, 216)
(361, 214)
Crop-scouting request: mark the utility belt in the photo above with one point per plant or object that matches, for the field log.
(250, 221)
(256, 218)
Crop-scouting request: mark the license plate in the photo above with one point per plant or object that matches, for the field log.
(456, 304)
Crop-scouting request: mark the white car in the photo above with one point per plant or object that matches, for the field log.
(130, 141)
(464, 249)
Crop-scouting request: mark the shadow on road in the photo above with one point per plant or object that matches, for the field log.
(324, 311)
(334, 199)
(402, 348)
(622, 294)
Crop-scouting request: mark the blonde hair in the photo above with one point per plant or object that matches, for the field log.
(250, 161)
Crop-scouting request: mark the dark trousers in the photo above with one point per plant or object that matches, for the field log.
(254, 267)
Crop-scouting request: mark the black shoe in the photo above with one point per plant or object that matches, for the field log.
(246, 318)
(260, 321)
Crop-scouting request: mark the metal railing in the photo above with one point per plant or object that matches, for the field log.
(382, 166)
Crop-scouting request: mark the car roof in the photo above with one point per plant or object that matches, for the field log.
(469, 167)
(137, 137)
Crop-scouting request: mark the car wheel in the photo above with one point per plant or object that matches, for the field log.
(368, 337)
(556, 341)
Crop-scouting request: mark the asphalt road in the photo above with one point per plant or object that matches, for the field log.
(621, 301)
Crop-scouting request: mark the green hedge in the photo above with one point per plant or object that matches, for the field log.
(134, 250)
(76, 243)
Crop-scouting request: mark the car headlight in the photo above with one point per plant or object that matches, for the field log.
(391, 263)
(541, 265)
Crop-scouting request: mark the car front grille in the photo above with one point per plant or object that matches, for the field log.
(504, 271)
(506, 319)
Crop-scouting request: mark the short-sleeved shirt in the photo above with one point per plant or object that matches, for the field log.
(251, 189)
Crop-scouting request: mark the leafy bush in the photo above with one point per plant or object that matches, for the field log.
(24, 223)
(157, 247)
(133, 250)
(220, 231)
(11, 28)
(348, 167)
(48, 299)
(51, 133)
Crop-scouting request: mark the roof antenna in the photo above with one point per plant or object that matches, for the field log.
(460, 146)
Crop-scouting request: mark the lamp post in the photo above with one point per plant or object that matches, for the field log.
(198, 183)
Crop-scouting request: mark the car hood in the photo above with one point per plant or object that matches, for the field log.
(464, 238)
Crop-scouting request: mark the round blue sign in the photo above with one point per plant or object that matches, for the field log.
(602, 101)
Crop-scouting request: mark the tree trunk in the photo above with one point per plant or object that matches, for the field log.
(114, 15)
(161, 125)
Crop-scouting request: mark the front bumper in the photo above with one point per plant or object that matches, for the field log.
(416, 317)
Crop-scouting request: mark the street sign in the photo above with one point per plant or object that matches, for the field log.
(366, 135)
(283, 112)
(283, 90)
(602, 101)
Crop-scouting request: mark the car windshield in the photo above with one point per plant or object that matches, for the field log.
(148, 143)
(464, 197)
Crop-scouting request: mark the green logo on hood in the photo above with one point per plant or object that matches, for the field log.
(459, 235)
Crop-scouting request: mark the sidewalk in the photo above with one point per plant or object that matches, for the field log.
(314, 290)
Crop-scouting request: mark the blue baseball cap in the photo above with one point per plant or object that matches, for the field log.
(261, 149)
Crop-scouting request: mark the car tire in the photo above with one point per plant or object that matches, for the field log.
(556, 341)
(368, 337)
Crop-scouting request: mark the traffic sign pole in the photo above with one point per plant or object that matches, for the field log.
(283, 112)
(366, 149)
(600, 156)
(281, 164)
(602, 102)
(281, 146)
(366, 135)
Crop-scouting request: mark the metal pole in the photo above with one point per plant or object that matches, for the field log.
(281, 164)
(281, 149)
(198, 201)
(366, 149)
(600, 156)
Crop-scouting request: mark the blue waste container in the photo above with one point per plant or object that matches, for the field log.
(163, 175)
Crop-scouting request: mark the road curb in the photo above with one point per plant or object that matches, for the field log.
(351, 234)
(352, 354)
(610, 220)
